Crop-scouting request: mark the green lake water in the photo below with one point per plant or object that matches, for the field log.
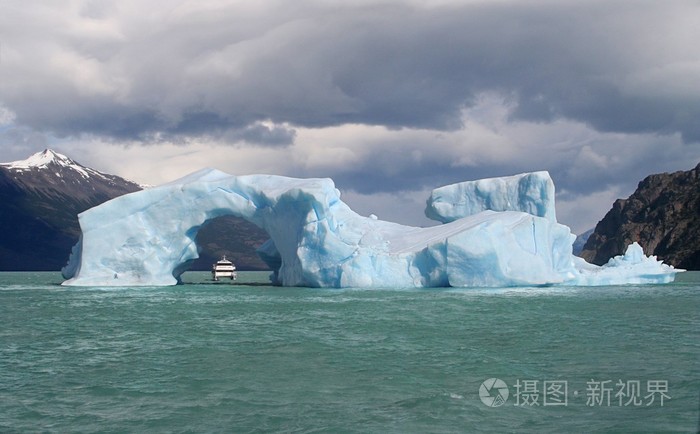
(247, 357)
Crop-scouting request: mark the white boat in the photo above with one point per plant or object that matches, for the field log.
(223, 268)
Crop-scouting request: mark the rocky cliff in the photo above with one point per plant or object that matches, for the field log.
(663, 215)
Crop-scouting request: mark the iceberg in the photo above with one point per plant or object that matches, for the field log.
(495, 233)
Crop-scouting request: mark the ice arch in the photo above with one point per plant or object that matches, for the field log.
(148, 238)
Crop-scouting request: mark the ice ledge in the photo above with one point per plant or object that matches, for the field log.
(532, 193)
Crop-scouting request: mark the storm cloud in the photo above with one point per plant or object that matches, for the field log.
(127, 70)
(384, 96)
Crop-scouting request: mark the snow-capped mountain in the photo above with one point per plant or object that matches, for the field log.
(42, 160)
(41, 197)
(49, 170)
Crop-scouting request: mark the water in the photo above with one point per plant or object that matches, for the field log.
(204, 357)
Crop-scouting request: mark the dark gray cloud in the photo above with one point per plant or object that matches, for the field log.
(259, 133)
(600, 93)
(193, 71)
(18, 142)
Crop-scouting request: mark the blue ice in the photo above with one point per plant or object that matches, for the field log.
(499, 232)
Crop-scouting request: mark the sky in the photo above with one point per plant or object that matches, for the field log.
(389, 98)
